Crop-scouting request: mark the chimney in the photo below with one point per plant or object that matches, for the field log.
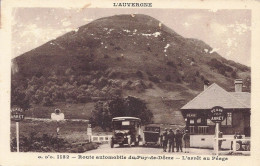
(238, 85)
(206, 84)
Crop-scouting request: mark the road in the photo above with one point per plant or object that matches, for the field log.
(106, 149)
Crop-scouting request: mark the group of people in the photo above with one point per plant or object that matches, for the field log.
(169, 139)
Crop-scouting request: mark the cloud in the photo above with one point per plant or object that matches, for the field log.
(195, 17)
(186, 24)
(231, 42)
(31, 36)
(229, 53)
(66, 23)
(87, 19)
(239, 28)
(218, 28)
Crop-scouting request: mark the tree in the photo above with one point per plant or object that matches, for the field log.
(234, 74)
(81, 98)
(247, 83)
(19, 98)
(197, 73)
(168, 78)
(100, 116)
(129, 106)
(139, 74)
(47, 101)
(137, 108)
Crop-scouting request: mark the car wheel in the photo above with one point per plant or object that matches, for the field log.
(238, 146)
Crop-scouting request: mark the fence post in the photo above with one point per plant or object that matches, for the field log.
(17, 136)
(216, 136)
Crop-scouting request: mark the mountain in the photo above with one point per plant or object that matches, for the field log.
(125, 55)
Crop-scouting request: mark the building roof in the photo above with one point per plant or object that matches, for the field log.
(243, 97)
(214, 95)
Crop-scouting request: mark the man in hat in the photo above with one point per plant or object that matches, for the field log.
(178, 139)
(171, 137)
(165, 139)
(186, 140)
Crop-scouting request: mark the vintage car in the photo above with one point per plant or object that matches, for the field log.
(152, 135)
(126, 130)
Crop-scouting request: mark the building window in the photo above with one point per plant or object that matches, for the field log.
(203, 129)
(210, 123)
(192, 129)
(191, 121)
(228, 120)
(199, 121)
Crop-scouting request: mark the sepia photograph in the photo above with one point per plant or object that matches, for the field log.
(131, 81)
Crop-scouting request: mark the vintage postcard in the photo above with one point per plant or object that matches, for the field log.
(117, 82)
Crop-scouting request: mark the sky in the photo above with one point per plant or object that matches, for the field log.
(228, 32)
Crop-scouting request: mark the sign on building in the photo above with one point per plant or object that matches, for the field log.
(217, 114)
(17, 114)
(191, 115)
(89, 130)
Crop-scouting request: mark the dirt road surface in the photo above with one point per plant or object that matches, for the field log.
(106, 149)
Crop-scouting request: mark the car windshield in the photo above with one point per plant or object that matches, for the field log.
(123, 125)
(154, 129)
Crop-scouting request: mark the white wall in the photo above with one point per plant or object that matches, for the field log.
(103, 138)
(207, 141)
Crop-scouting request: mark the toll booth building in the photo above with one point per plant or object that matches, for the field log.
(202, 129)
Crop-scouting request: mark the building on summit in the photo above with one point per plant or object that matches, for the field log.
(237, 110)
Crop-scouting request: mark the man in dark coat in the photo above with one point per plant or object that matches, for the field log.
(186, 141)
(171, 137)
(178, 139)
(165, 139)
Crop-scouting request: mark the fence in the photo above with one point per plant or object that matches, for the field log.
(237, 145)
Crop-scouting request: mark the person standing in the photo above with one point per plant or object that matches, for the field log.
(186, 141)
(165, 139)
(220, 135)
(178, 140)
(161, 140)
(171, 137)
(235, 137)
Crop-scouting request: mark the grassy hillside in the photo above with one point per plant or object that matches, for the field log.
(120, 56)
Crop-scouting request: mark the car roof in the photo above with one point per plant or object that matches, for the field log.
(125, 118)
(152, 125)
